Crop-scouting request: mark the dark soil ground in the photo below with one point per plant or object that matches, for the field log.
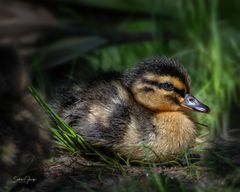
(68, 173)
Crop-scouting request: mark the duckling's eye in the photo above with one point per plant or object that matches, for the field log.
(168, 86)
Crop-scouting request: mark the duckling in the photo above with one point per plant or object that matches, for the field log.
(24, 137)
(139, 114)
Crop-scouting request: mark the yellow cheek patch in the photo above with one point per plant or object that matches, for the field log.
(180, 99)
(165, 78)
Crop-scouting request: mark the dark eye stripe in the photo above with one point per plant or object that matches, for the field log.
(148, 89)
(181, 92)
(150, 82)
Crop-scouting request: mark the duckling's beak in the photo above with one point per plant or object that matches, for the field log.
(192, 103)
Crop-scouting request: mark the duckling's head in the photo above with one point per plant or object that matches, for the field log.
(161, 84)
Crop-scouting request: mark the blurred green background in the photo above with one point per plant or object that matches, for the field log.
(72, 40)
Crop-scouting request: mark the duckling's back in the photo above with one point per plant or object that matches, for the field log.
(103, 113)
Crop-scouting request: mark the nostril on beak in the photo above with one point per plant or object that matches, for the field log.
(191, 100)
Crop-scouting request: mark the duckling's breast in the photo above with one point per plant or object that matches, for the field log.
(167, 135)
(175, 132)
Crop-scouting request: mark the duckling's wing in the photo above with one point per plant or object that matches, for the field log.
(110, 132)
(100, 114)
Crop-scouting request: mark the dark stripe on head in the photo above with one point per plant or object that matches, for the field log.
(181, 92)
(156, 65)
(148, 89)
(150, 82)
